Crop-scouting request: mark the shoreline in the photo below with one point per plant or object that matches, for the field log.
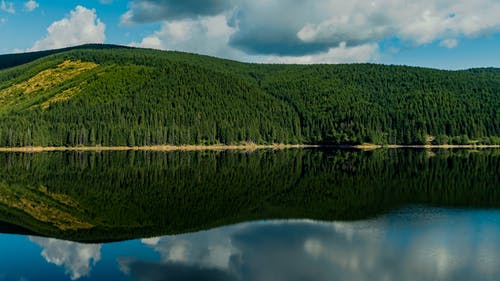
(248, 147)
(425, 146)
(156, 148)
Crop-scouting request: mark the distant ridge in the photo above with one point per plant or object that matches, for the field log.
(11, 60)
(491, 70)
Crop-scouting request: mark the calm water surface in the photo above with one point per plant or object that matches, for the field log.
(267, 215)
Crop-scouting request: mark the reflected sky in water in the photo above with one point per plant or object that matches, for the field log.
(414, 243)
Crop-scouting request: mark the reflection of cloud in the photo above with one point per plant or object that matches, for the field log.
(151, 241)
(415, 244)
(210, 249)
(76, 258)
(151, 271)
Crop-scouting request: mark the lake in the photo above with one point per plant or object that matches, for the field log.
(305, 214)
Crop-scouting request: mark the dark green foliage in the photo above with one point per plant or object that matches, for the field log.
(138, 194)
(388, 104)
(12, 60)
(146, 97)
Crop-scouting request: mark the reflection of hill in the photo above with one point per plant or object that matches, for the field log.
(43, 206)
(120, 195)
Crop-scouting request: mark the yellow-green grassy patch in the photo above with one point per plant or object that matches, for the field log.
(46, 80)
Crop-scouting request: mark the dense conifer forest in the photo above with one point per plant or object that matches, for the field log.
(115, 96)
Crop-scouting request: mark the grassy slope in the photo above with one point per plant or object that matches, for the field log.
(146, 97)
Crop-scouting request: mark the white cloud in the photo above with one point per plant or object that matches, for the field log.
(447, 20)
(211, 36)
(81, 27)
(126, 19)
(7, 7)
(449, 43)
(339, 54)
(418, 22)
(206, 35)
(77, 259)
(342, 28)
(31, 5)
(314, 28)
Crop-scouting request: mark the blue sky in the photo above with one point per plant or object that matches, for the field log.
(448, 34)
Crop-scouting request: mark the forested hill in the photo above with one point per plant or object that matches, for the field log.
(108, 95)
(11, 60)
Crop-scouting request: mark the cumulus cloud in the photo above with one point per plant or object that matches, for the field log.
(212, 35)
(81, 27)
(449, 43)
(339, 54)
(31, 5)
(7, 7)
(205, 35)
(153, 10)
(77, 259)
(358, 22)
(292, 28)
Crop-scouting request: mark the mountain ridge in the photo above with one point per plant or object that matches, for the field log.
(111, 95)
(15, 59)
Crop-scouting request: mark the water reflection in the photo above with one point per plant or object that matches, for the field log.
(140, 194)
(76, 258)
(211, 249)
(415, 244)
(110, 196)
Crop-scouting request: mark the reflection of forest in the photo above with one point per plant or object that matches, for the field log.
(135, 194)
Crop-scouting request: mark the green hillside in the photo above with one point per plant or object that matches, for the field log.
(110, 95)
